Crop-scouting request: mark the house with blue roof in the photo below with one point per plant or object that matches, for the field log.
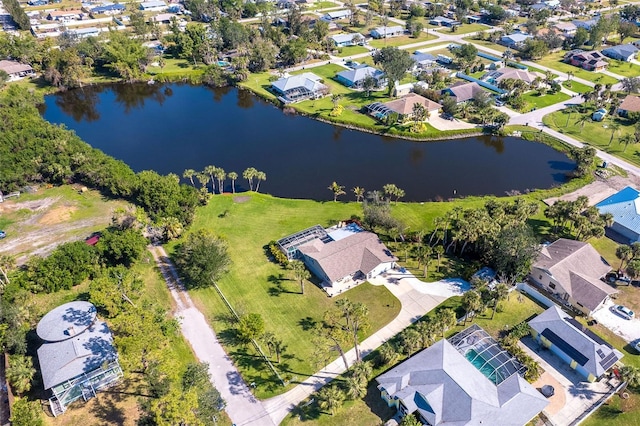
(108, 9)
(423, 59)
(350, 39)
(515, 40)
(622, 52)
(625, 208)
(355, 77)
(587, 25)
(387, 32)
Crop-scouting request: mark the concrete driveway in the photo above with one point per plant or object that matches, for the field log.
(629, 330)
(442, 124)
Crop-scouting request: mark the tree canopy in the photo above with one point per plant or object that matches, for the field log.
(202, 259)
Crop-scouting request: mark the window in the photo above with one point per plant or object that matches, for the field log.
(552, 285)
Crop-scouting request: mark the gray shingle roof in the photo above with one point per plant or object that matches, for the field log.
(308, 80)
(623, 50)
(446, 389)
(596, 352)
(75, 343)
(13, 67)
(465, 92)
(577, 267)
(356, 74)
(362, 252)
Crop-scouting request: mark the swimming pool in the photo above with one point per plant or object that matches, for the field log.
(481, 365)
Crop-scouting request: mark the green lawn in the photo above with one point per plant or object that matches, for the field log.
(256, 285)
(175, 67)
(484, 43)
(597, 134)
(577, 87)
(617, 412)
(465, 29)
(372, 410)
(401, 40)
(624, 69)
(554, 61)
(351, 50)
(535, 101)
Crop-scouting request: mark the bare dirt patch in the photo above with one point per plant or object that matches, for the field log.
(57, 215)
(598, 190)
(33, 205)
(241, 199)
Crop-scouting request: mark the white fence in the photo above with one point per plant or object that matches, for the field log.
(535, 294)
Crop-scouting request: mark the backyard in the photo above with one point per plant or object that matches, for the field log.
(624, 69)
(351, 50)
(554, 61)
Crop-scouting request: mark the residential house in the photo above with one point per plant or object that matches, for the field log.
(108, 9)
(77, 358)
(339, 256)
(629, 104)
(625, 208)
(336, 15)
(515, 40)
(572, 271)
(162, 18)
(444, 22)
(566, 28)
(590, 61)
(443, 384)
(584, 351)
(354, 77)
(153, 6)
(85, 32)
(423, 60)
(387, 32)
(514, 73)
(404, 107)
(622, 52)
(65, 15)
(587, 25)
(16, 70)
(299, 87)
(350, 39)
(463, 92)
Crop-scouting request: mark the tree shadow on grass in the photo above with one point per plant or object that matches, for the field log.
(307, 323)
(376, 404)
(105, 409)
(608, 412)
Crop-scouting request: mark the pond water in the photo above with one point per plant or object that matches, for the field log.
(170, 128)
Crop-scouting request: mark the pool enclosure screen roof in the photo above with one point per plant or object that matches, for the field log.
(379, 110)
(289, 245)
(489, 355)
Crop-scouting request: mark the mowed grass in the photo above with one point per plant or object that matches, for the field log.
(351, 50)
(401, 40)
(617, 412)
(577, 87)
(534, 100)
(257, 285)
(372, 409)
(175, 67)
(624, 69)
(596, 133)
(554, 61)
(484, 43)
(465, 29)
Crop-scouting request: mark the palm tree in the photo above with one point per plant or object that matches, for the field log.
(630, 375)
(330, 398)
(335, 98)
(419, 113)
(359, 193)
(426, 258)
(446, 318)
(249, 174)
(471, 302)
(428, 331)
(410, 420)
(583, 120)
(260, 176)
(356, 388)
(337, 190)
(570, 110)
(172, 228)
(387, 353)
(624, 253)
(220, 175)
(500, 293)
(233, 176)
(615, 127)
(362, 370)
(439, 250)
(211, 170)
(626, 140)
(300, 273)
(410, 341)
(7, 263)
(203, 178)
(20, 373)
(268, 338)
(189, 174)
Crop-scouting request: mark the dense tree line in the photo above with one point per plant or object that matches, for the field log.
(17, 13)
(33, 150)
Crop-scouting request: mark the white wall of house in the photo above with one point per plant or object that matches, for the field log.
(550, 284)
(383, 267)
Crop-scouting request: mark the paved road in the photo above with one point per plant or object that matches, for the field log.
(242, 407)
(417, 299)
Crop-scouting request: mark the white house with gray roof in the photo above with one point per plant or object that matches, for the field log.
(572, 271)
(296, 88)
(584, 351)
(77, 357)
(441, 386)
(354, 77)
(341, 256)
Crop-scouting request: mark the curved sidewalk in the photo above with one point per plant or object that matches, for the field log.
(415, 304)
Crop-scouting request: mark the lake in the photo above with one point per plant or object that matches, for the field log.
(170, 128)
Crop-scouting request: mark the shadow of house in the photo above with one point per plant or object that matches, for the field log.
(77, 357)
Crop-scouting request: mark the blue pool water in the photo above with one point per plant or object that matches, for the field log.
(478, 363)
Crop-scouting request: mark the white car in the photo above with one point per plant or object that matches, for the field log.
(624, 312)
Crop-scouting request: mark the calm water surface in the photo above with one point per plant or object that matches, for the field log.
(176, 127)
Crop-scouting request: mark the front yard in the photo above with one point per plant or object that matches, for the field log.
(554, 61)
(401, 40)
(624, 69)
(535, 101)
(351, 50)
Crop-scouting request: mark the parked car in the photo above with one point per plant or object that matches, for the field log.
(636, 346)
(500, 102)
(623, 311)
(2, 234)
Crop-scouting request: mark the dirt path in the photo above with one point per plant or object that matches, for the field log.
(242, 407)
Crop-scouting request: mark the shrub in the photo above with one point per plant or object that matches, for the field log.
(278, 256)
